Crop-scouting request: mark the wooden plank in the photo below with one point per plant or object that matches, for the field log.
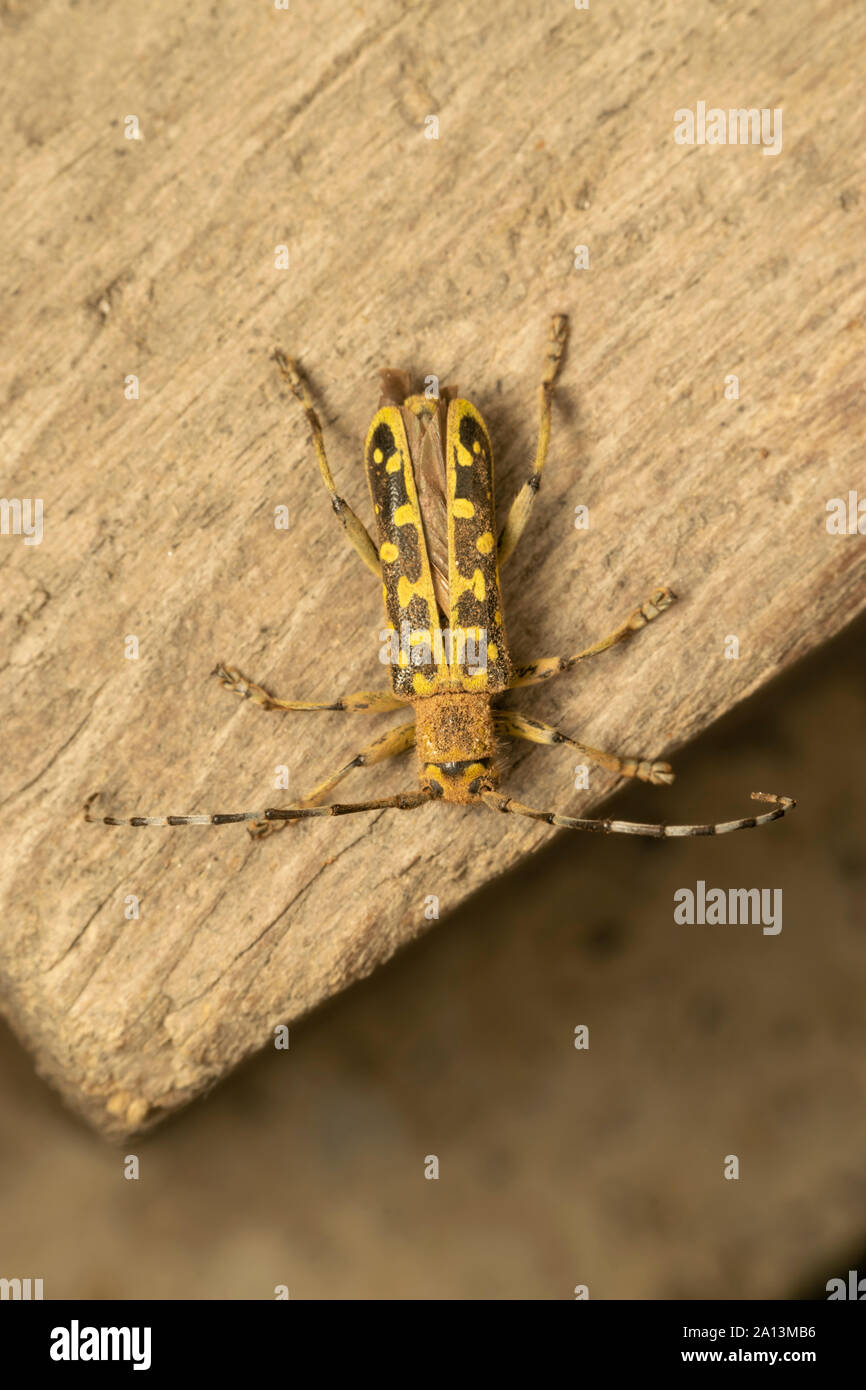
(155, 258)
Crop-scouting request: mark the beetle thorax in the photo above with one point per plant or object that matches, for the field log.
(456, 745)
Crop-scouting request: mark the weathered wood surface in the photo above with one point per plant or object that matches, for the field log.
(156, 258)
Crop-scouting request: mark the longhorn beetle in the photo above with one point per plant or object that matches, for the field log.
(430, 470)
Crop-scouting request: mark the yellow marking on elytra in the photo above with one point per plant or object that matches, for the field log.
(405, 515)
(422, 407)
(418, 637)
(470, 683)
(378, 456)
(476, 446)
(492, 651)
(394, 464)
(464, 508)
(484, 544)
(461, 585)
(422, 686)
(388, 553)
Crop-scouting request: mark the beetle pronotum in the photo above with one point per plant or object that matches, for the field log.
(430, 470)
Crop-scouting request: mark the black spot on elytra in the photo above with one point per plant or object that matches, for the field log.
(470, 433)
(383, 438)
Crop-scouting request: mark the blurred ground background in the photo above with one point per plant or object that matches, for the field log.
(557, 1167)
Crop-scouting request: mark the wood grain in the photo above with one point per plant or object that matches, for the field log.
(156, 258)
